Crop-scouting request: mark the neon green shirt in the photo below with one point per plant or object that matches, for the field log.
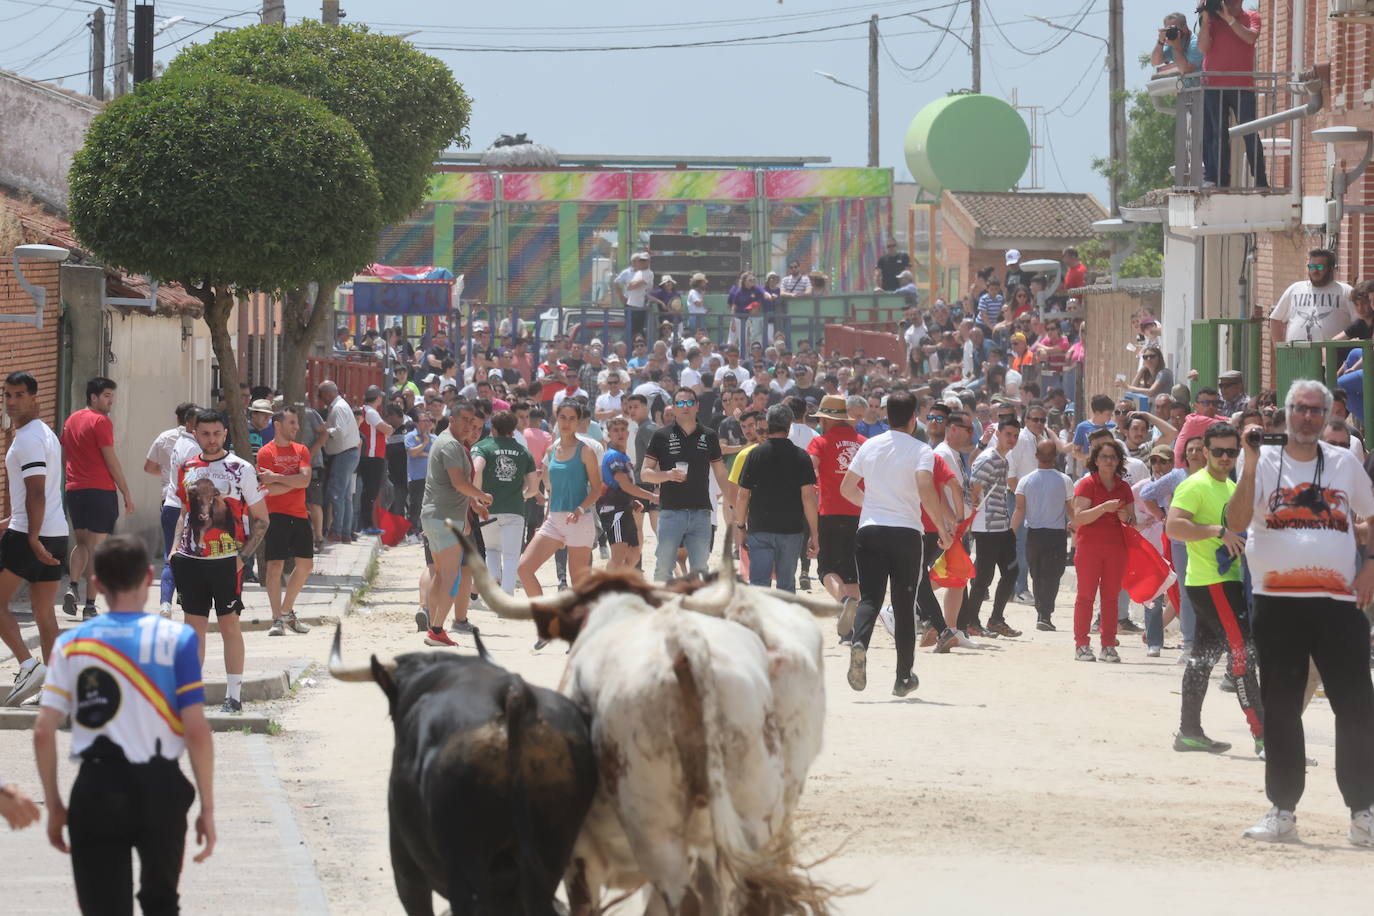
(1205, 498)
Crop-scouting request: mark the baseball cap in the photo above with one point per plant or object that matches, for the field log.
(1013, 256)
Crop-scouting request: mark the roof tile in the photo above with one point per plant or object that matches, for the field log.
(1030, 214)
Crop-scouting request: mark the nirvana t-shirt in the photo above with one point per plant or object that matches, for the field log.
(1314, 312)
(507, 463)
(1302, 535)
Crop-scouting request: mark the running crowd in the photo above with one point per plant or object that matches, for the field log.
(911, 489)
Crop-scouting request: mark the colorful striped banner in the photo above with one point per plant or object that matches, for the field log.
(557, 186)
(688, 184)
(461, 186)
(794, 183)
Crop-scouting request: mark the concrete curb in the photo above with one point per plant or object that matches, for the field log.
(22, 718)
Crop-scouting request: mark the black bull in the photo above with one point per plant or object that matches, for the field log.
(490, 781)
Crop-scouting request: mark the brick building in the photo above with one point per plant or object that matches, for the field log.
(977, 228)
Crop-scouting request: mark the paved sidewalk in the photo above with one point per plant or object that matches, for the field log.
(261, 864)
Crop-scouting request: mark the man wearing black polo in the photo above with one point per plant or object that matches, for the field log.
(678, 459)
(889, 266)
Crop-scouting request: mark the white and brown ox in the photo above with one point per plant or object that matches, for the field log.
(704, 725)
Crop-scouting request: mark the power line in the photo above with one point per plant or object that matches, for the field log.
(1049, 144)
(1054, 42)
(88, 71)
(910, 72)
(1079, 82)
(47, 28)
(44, 55)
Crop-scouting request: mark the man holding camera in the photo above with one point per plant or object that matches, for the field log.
(1226, 36)
(1175, 51)
(1301, 501)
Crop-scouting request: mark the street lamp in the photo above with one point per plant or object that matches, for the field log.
(872, 111)
(1336, 207)
(38, 293)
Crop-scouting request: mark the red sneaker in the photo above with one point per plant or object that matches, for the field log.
(438, 637)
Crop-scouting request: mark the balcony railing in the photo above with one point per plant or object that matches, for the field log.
(1205, 154)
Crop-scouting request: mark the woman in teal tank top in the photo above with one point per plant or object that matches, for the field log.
(572, 479)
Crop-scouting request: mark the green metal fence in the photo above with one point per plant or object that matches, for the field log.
(1246, 349)
(1320, 359)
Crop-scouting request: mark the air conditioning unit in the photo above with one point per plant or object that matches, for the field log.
(1352, 10)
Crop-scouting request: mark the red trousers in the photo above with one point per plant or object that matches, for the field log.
(1100, 567)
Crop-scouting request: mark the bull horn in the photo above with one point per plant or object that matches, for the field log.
(502, 604)
(716, 597)
(340, 671)
(819, 607)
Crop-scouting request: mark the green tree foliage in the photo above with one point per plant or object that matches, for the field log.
(225, 186)
(1149, 156)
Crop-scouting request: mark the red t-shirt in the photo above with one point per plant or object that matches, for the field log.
(942, 475)
(833, 451)
(370, 436)
(288, 460)
(84, 434)
(1076, 276)
(1091, 489)
(1229, 52)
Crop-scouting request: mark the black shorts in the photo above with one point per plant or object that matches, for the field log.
(619, 525)
(288, 537)
(204, 582)
(837, 537)
(314, 491)
(93, 510)
(17, 556)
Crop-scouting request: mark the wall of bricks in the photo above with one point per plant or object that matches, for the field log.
(25, 347)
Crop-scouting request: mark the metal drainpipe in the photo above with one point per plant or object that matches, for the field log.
(1297, 46)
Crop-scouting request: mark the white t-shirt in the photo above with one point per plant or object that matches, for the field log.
(955, 462)
(696, 302)
(562, 395)
(185, 447)
(635, 298)
(1136, 471)
(888, 464)
(36, 451)
(689, 378)
(913, 336)
(740, 373)
(608, 401)
(801, 435)
(1298, 548)
(1021, 459)
(1315, 313)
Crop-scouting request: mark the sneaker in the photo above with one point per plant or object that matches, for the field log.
(27, 684)
(294, 624)
(1259, 748)
(1184, 742)
(1003, 629)
(88, 611)
(166, 609)
(69, 602)
(421, 620)
(605, 554)
(888, 620)
(1362, 828)
(1185, 657)
(930, 637)
(1276, 827)
(1129, 626)
(1228, 683)
(1024, 598)
(435, 636)
(962, 641)
(562, 585)
(1153, 651)
(231, 706)
(946, 640)
(1084, 654)
(278, 628)
(858, 673)
(1108, 654)
(541, 643)
(977, 630)
(1044, 626)
(804, 582)
(908, 684)
(844, 624)
(1094, 627)
(463, 626)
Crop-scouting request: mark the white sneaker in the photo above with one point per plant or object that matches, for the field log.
(27, 683)
(1185, 656)
(1278, 827)
(1362, 828)
(962, 641)
(888, 619)
(166, 609)
(1152, 652)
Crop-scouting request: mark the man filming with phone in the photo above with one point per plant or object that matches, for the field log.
(1300, 502)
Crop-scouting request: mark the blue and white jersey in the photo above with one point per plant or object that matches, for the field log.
(127, 676)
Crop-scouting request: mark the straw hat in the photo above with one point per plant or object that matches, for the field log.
(832, 408)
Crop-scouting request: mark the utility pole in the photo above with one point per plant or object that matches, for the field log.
(98, 54)
(274, 12)
(143, 42)
(120, 47)
(1116, 100)
(330, 14)
(873, 92)
(976, 43)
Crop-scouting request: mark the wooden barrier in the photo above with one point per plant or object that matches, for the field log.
(352, 372)
(849, 341)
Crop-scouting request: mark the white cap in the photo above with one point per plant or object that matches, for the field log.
(1013, 256)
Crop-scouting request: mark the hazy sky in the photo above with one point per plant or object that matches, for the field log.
(748, 98)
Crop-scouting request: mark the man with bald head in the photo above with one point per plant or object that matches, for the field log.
(341, 461)
(1044, 502)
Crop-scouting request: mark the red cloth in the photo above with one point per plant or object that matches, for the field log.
(954, 568)
(1229, 52)
(394, 527)
(1107, 526)
(1194, 425)
(942, 475)
(288, 460)
(833, 450)
(1147, 573)
(84, 434)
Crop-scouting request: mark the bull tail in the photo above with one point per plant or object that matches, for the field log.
(534, 883)
(763, 880)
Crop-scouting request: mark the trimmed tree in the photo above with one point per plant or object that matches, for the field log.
(405, 105)
(227, 187)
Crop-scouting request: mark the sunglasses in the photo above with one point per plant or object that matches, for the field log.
(684, 403)
(1225, 452)
(936, 418)
(1158, 459)
(1207, 402)
(1318, 268)
(1119, 411)
(1035, 419)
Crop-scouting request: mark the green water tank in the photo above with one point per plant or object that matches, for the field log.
(967, 143)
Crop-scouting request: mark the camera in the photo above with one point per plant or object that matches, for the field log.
(1209, 6)
(1171, 33)
(1255, 438)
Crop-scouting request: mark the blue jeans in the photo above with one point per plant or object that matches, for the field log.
(169, 517)
(1022, 566)
(1154, 621)
(338, 491)
(1187, 622)
(771, 553)
(690, 528)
